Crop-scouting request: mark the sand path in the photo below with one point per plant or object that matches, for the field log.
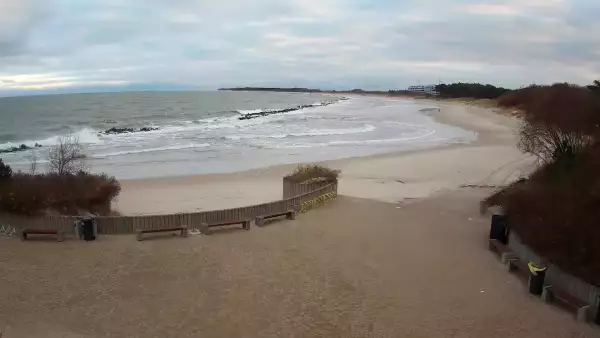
(354, 268)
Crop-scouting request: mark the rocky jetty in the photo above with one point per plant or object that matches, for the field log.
(115, 130)
(22, 147)
(267, 112)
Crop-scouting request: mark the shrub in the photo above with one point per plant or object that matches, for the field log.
(5, 171)
(68, 194)
(568, 108)
(559, 120)
(555, 211)
(310, 172)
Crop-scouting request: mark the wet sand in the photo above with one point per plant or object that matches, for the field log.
(353, 268)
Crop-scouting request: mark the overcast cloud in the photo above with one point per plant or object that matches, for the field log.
(376, 44)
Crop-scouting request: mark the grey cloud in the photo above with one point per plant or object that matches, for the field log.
(328, 43)
(10, 48)
(18, 18)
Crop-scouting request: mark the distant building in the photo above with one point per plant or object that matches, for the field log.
(428, 89)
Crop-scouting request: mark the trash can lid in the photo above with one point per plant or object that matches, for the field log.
(534, 269)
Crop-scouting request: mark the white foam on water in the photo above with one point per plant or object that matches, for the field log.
(28, 162)
(315, 132)
(250, 111)
(85, 136)
(424, 135)
(385, 140)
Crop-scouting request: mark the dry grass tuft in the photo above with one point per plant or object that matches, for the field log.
(313, 172)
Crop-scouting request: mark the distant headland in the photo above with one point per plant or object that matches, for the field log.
(314, 90)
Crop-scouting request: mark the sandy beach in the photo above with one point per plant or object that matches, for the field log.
(491, 160)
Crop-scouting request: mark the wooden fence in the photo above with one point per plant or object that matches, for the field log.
(291, 189)
(129, 224)
(555, 276)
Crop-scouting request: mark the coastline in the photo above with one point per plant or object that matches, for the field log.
(491, 160)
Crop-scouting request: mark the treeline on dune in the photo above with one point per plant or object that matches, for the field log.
(488, 91)
(470, 90)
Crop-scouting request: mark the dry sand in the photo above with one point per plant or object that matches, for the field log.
(353, 268)
(492, 160)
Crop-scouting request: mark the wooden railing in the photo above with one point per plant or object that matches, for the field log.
(129, 224)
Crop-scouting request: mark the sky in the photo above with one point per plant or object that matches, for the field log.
(96, 45)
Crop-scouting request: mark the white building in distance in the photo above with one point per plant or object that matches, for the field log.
(428, 89)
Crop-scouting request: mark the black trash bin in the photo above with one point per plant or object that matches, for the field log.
(499, 229)
(536, 279)
(87, 229)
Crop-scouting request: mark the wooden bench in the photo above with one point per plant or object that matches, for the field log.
(183, 229)
(581, 307)
(60, 234)
(205, 227)
(290, 214)
(505, 253)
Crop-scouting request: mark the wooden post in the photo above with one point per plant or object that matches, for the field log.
(184, 231)
(547, 293)
(60, 235)
(582, 313)
(507, 256)
(511, 266)
(204, 229)
(139, 235)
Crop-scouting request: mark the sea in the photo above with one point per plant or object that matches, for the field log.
(189, 133)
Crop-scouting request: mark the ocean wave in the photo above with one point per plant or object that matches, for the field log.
(316, 132)
(85, 136)
(385, 140)
(428, 133)
(150, 150)
(214, 123)
(228, 123)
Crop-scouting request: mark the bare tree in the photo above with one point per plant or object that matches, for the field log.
(33, 164)
(66, 157)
